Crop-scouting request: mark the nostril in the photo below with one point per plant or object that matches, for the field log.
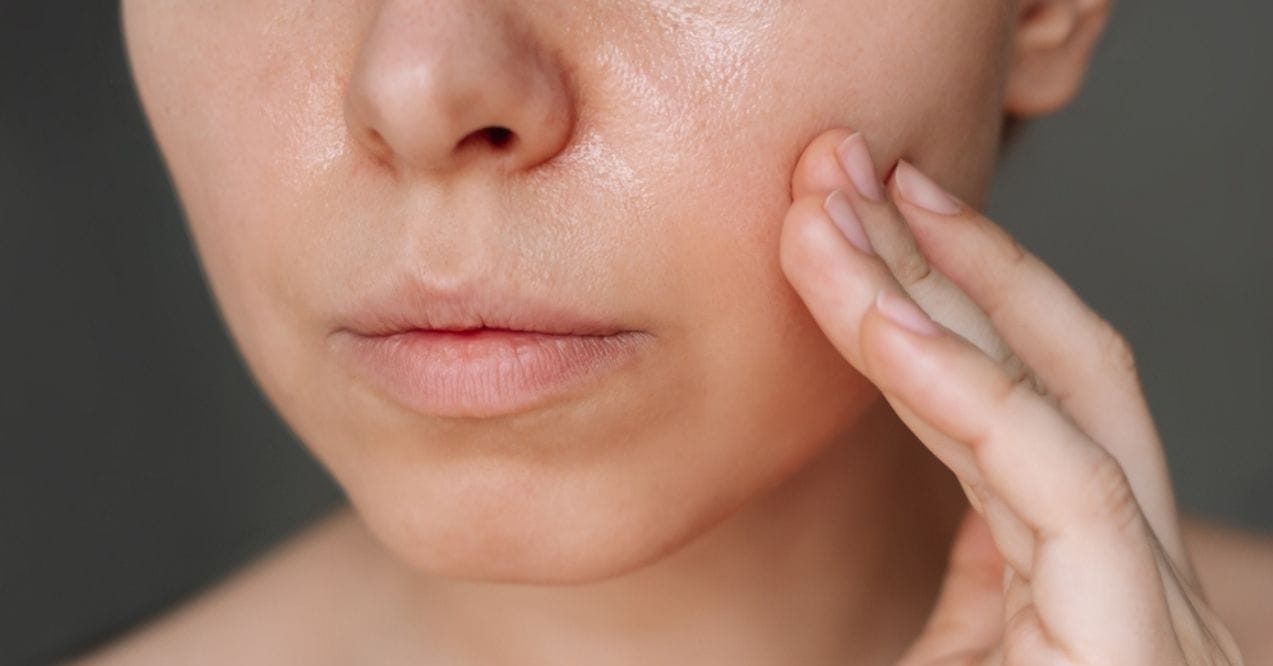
(495, 136)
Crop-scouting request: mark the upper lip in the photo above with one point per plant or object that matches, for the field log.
(414, 305)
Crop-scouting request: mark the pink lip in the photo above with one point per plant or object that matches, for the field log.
(475, 354)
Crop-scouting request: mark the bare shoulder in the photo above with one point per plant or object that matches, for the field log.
(289, 606)
(1236, 568)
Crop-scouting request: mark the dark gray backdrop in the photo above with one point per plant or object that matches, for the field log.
(137, 461)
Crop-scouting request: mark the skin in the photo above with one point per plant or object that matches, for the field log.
(761, 487)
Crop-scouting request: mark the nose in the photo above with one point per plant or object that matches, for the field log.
(442, 85)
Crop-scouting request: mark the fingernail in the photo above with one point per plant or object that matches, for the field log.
(920, 190)
(902, 311)
(856, 160)
(841, 211)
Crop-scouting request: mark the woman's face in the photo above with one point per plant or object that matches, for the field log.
(330, 158)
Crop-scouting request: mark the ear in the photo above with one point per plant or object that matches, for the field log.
(1053, 44)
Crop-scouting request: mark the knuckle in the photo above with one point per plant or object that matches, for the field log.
(1117, 353)
(1009, 254)
(1011, 389)
(1023, 636)
(911, 268)
(1004, 259)
(1023, 376)
(1109, 494)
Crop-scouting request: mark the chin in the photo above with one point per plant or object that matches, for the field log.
(530, 531)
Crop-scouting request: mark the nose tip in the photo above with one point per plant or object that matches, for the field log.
(442, 85)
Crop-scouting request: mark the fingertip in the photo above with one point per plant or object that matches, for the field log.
(809, 244)
(902, 311)
(974, 547)
(910, 185)
(889, 349)
(817, 169)
(912, 367)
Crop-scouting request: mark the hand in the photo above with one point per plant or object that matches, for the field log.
(1072, 553)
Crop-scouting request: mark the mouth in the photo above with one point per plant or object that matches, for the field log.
(479, 352)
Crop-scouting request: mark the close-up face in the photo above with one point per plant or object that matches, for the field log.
(354, 173)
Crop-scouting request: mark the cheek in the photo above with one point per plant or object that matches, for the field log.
(245, 102)
(921, 80)
(912, 85)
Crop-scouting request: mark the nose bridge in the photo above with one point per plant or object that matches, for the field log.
(439, 85)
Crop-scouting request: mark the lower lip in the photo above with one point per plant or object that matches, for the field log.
(483, 373)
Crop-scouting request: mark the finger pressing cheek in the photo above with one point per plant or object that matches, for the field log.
(836, 278)
(839, 159)
(818, 171)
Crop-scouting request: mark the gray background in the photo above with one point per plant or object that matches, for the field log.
(137, 461)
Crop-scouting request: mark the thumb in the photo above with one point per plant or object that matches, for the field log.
(967, 621)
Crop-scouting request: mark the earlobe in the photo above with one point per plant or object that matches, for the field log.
(1052, 47)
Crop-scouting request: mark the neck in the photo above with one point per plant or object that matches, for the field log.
(839, 564)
